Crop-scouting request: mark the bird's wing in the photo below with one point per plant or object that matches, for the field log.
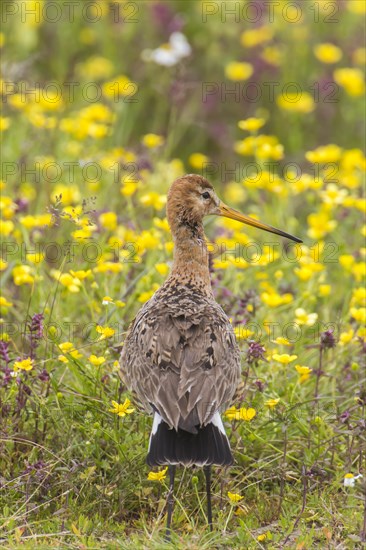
(181, 359)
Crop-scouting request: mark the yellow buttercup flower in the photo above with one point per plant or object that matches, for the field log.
(162, 268)
(151, 141)
(198, 160)
(273, 299)
(234, 497)
(238, 71)
(68, 347)
(352, 160)
(320, 225)
(4, 302)
(96, 361)
(120, 86)
(254, 37)
(263, 147)
(112, 267)
(81, 274)
(359, 296)
(247, 414)
(23, 275)
(271, 403)
(352, 80)
(243, 333)
(4, 123)
(359, 271)
(243, 413)
(301, 102)
(324, 290)
(70, 194)
(359, 314)
(303, 318)
(324, 154)
(29, 222)
(328, 53)
(122, 409)
(346, 337)
(6, 227)
(73, 284)
(7, 207)
(153, 199)
(251, 124)
(157, 476)
(145, 296)
(304, 372)
(306, 272)
(346, 261)
(3, 264)
(161, 223)
(284, 358)
(105, 332)
(108, 220)
(35, 257)
(148, 240)
(128, 188)
(25, 364)
(267, 151)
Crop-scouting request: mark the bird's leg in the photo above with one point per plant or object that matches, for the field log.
(207, 470)
(170, 500)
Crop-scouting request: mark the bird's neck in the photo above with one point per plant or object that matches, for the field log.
(190, 264)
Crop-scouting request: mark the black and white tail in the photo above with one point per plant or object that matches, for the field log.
(208, 446)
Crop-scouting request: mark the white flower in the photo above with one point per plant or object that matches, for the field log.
(171, 53)
(349, 480)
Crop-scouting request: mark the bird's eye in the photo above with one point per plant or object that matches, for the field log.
(206, 195)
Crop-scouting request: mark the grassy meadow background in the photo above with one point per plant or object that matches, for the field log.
(104, 105)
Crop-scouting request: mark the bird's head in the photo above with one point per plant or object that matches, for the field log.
(192, 197)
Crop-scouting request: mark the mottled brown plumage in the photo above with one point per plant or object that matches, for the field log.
(180, 355)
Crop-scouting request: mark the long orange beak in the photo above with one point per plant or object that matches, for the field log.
(228, 212)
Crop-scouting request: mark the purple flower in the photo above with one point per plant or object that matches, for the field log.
(260, 385)
(44, 376)
(4, 351)
(255, 352)
(6, 377)
(36, 325)
(22, 205)
(327, 339)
